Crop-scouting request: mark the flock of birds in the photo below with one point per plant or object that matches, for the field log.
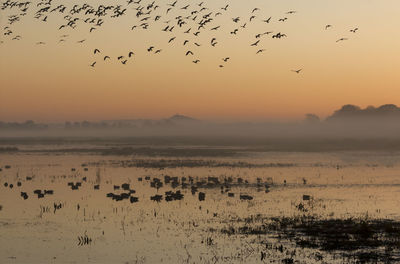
(183, 24)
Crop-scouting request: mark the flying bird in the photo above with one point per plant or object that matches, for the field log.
(341, 39)
(267, 20)
(297, 71)
(173, 4)
(236, 19)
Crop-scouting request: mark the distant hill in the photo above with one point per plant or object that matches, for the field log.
(182, 118)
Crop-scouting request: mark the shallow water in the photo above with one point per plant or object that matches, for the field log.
(92, 228)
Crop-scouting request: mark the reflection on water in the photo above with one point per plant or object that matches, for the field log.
(72, 207)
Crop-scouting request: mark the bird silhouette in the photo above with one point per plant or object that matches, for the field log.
(267, 20)
(341, 39)
(297, 71)
(173, 4)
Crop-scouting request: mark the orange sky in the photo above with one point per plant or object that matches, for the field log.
(53, 82)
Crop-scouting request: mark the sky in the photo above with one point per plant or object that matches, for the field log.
(54, 82)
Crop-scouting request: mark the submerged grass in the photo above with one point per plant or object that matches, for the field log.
(361, 239)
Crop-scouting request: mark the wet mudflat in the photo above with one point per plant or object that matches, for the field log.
(59, 206)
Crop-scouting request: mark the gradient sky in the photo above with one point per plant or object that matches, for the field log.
(53, 82)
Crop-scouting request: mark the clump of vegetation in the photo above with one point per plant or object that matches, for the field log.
(367, 240)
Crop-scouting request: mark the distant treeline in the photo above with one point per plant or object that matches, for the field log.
(353, 111)
(25, 125)
(136, 123)
(351, 117)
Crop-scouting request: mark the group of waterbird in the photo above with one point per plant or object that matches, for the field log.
(126, 192)
(182, 23)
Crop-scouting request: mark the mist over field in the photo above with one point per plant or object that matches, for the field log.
(349, 122)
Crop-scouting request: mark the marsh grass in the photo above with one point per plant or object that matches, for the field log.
(361, 239)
